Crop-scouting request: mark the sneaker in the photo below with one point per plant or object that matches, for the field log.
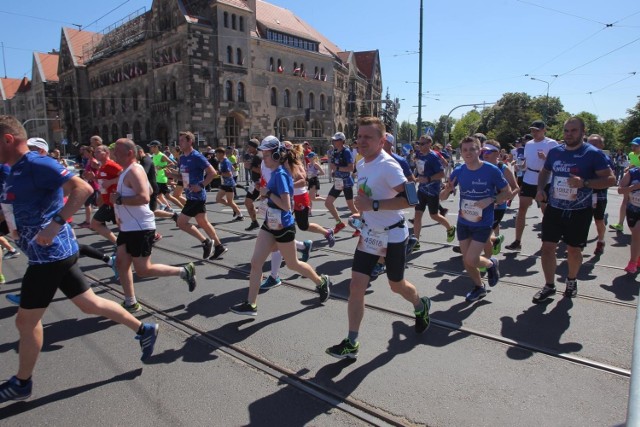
(11, 254)
(606, 218)
(252, 226)
(422, 317)
(11, 390)
(444, 211)
(477, 293)
(167, 208)
(84, 224)
(132, 308)
(571, 291)
(411, 220)
(148, 339)
(456, 249)
(631, 268)
(331, 238)
(14, 298)
(497, 245)
(270, 282)
(378, 269)
(493, 273)
(323, 288)
(416, 247)
(3, 280)
(207, 248)
(599, 250)
(245, 309)
(345, 350)
(190, 278)
(543, 294)
(356, 233)
(515, 246)
(175, 218)
(239, 218)
(305, 252)
(617, 227)
(219, 250)
(411, 244)
(157, 237)
(112, 264)
(451, 234)
(339, 226)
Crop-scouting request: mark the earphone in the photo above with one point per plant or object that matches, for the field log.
(279, 153)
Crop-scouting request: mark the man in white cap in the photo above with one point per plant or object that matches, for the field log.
(341, 167)
(39, 145)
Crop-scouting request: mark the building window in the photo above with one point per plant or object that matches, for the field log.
(147, 129)
(125, 129)
(174, 90)
(123, 103)
(229, 54)
(137, 132)
(271, 64)
(298, 128)
(241, 92)
(225, 19)
(282, 128)
(322, 102)
(232, 131)
(134, 98)
(105, 132)
(233, 21)
(323, 76)
(274, 97)
(299, 99)
(316, 129)
(280, 69)
(239, 59)
(287, 98)
(241, 24)
(114, 132)
(164, 92)
(312, 101)
(112, 107)
(228, 91)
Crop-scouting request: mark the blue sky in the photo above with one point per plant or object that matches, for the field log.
(474, 51)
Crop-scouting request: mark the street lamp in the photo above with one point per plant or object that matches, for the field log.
(420, 75)
(446, 122)
(39, 118)
(546, 108)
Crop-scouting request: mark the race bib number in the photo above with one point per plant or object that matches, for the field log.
(374, 242)
(469, 210)
(103, 189)
(420, 166)
(185, 179)
(634, 199)
(262, 209)
(251, 187)
(562, 190)
(339, 184)
(274, 219)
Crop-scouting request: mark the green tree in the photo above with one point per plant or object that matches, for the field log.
(442, 127)
(631, 125)
(509, 118)
(407, 131)
(539, 107)
(467, 125)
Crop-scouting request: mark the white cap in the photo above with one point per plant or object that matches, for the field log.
(39, 143)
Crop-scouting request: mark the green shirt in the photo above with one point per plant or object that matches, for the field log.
(160, 164)
(634, 159)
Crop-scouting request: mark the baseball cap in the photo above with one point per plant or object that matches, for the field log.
(389, 138)
(339, 136)
(489, 147)
(154, 143)
(311, 155)
(269, 143)
(538, 124)
(254, 143)
(635, 141)
(38, 143)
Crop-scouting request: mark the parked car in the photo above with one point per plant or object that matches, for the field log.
(324, 159)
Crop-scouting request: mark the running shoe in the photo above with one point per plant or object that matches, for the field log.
(571, 291)
(497, 245)
(515, 246)
(3, 279)
(14, 298)
(599, 250)
(207, 248)
(11, 254)
(219, 250)
(543, 294)
(345, 350)
(606, 218)
(157, 237)
(356, 233)
(307, 249)
(148, 339)
(245, 309)
(331, 238)
(416, 247)
(190, 276)
(12, 390)
(84, 224)
(239, 218)
(411, 244)
(378, 269)
(617, 227)
(456, 249)
(270, 282)
(422, 317)
(112, 264)
(493, 272)
(133, 308)
(252, 226)
(339, 226)
(451, 234)
(477, 293)
(323, 288)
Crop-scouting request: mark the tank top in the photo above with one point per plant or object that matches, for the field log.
(160, 164)
(133, 218)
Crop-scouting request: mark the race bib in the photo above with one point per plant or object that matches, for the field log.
(374, 242)
(262, 209)
(469, 210)
(420, 166)
(103, 190)
(185, 179)
(274, 219)
(338, 184)
(562, 190)
(634, 199)
(251, 187)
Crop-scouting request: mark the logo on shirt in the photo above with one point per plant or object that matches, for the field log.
(479, 182)
(562, 167)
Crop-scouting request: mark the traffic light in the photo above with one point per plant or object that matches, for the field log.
(307, 114)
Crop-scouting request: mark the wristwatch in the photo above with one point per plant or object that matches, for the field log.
(118, 199)
(268, 194)
(586, 183)
(58, 219)
(375, 205)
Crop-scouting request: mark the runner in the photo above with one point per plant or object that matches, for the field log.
(227, 190)
(107, 177)
(341, 168)
(630, 186)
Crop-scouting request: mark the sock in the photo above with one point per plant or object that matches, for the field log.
(129, 301)
(352, 336)
(550, 285)
(141, 329)
(183, 273)
(276, 261)
(420, 307)
(571, 280)
(23, 383)
(299, 245)
(338, 221)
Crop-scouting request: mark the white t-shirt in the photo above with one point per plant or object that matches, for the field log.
(535, 163)
(377, 180)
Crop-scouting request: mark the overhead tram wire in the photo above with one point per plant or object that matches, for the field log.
(600, 57)
(631, 74)
(562, 12)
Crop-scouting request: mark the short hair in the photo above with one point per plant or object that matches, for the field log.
(188, 135)
(373, 121)
(596, 136)
(96, 138)
(220, 150)
(583, 126)
(427, 138)
(470, 139)
(11, 125)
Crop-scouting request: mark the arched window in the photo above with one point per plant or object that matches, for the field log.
(298, 128)
(225, 19)
(282, 128)
(123, 103)
(229, 54)
(299, 100)
(113, 106)
(316, 129)
(134, 98)
(323, 77)
(125, 129)
(105, 132)
(241, 24)
(164, 91)
(239, 59)
(174, 90)
(312, 101)
(271, 64)
(240, 97)
(228, 91)
(279, 64)
(147, 129)
(103, 109)
(274, 97)
(322, 102)
(232, 131)
(287, 98)
(233, 21)
(114, 132)
(315, 73)
(137, 132)
(296, 70)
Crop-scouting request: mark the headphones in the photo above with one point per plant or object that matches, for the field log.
(279, 153)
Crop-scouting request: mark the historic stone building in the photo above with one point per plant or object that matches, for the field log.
(228, 70)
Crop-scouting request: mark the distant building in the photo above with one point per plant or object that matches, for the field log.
(228, 70)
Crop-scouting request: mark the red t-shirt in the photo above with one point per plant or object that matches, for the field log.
(108, 171)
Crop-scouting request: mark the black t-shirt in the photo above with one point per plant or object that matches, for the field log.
(150, 170)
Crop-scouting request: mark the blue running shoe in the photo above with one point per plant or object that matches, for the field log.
(378, 270)
(12, 390)
(14, 298)
(493, 274)
(148, 339)
(270, 282)
(477, 293)
(331, 238)
(305, 252)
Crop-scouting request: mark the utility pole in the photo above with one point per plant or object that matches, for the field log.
(420, 76)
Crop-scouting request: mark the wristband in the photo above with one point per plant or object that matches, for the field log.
(375, 205)
(58, 219)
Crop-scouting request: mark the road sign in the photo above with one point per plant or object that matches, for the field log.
(64, 142)
(429, 130)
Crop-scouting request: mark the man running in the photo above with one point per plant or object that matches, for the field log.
(341, 168)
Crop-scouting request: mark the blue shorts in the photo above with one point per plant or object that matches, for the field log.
(477, 234)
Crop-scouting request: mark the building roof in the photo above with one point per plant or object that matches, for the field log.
(240, 4)
(9, 87)
(82, 44)
(47, 66)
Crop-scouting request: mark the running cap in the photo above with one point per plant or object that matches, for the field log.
(339, 136)
(636, 141)
(270, 143)
(538, 124)
(389, 138)
(39, 143)
(154, 143)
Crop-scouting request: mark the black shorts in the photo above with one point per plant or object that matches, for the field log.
(254, 195)
(599, 210)
(348, 192)
(92, 199)
(194, 207)
(179, 183)
(529, 190)
(163, 188)
(632, 218)
(137, 243)
(41, 281)
(4, 228)
(426, 201)
(498, 214)
(570, 226)
(227, 188)
(395, 259)
(302, 218)
(287, 234)
(153, 202)
(313, 183)
(104, 214)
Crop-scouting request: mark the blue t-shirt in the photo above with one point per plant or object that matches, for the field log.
(281, 183)
(32, 195)
(226, 166)
(342, 159)
(428, 165)
(634, 197)
(192, 167)
(583, 162)
(476, 185)
(406, 170)
(602, 193)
